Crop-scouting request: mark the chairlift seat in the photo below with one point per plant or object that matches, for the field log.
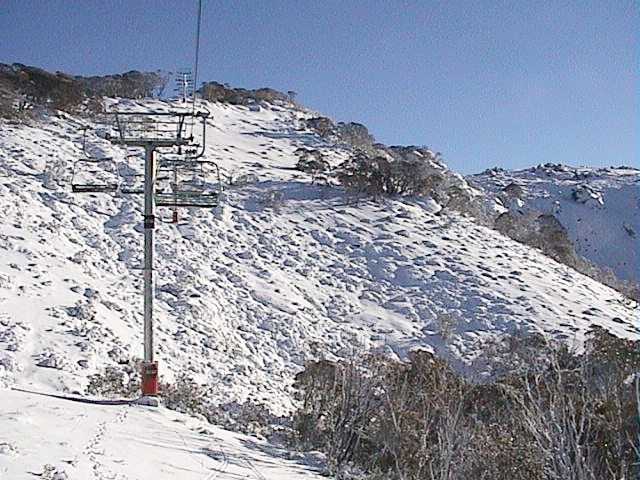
(187, 199)
(89, 176)
(89, 188)
(131, 191)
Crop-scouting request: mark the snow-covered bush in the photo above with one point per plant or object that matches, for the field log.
(185, 395)
(248, 417)
(51, 472)
(116, 381)
(408, 171)
(223, 93)
(313, 163)
(378, 176)
(132, 84)
(322, 125)
(552, 413)
(355, 135)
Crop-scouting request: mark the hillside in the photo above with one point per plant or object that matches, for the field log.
(244, 297)
(598, 207)
(287, 271)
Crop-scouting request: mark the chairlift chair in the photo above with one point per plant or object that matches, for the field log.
(93, 175)
(188, 183)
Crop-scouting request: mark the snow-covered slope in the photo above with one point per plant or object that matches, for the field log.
(244, 297)
(54, 439)
(600, 208)
(286, 272)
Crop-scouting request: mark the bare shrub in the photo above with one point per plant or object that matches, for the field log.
(314, 163)
(116, 381)
(338, 403)
(553, 414)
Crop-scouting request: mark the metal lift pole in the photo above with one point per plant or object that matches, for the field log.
(149, 367)
(149, 221)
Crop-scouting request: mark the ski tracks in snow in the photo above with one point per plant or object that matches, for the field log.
(219, 455)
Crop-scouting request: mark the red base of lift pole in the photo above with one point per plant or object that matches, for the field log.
(149, 379)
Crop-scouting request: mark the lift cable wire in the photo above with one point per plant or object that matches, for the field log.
(197, 59)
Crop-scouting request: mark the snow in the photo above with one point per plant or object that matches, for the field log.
(244, 296)
(598, 207)
(78, 441)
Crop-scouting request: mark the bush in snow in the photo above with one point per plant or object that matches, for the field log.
(313, 163)
(408, 171)
(185, 395)
(378, 176)
(217, 92)
(248, 417)
(552, 413)
(116, 381)
(322, 125)
(355, 135)
(50, 472)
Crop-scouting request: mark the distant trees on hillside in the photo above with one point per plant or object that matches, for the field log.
(24, 88)
(217, 92)
(132, 84)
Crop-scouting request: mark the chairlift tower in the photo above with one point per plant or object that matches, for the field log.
(184, 85)
(155, 132)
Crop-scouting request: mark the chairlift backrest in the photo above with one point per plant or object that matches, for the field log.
(188, 182)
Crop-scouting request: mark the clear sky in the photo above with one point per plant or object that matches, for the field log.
(507, 83)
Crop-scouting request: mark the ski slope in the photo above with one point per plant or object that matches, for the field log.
(246, 295)
(286, 272)
(59, 439)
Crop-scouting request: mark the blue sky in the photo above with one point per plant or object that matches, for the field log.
(507, 83)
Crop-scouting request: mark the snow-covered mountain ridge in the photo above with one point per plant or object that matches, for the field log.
(599, 207)
(287, 272)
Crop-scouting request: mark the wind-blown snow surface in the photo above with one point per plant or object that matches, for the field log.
(288, 271)
(600, 208)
